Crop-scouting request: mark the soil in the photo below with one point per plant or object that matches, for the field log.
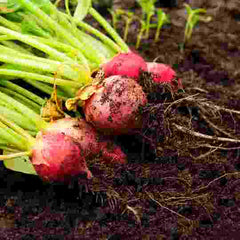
(176, 186)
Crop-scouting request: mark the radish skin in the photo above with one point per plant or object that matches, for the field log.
(125, 64)
(162, 73)
(57, 157)
(114, 107)
(63, 149)
(88, 139)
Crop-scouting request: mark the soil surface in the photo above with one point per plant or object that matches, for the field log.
(183, 186)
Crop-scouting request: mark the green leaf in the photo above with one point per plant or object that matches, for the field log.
(147, 6)
(188, 8)
(12, 4)
(82, 9)
(31, 27)
(200, 10)
(19, 11)
(19, 164)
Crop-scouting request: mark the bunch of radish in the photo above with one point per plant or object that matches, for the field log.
(63, 147)
(58, 150)
(113, 104)
(62, 150)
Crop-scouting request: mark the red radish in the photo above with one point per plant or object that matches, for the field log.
(162, 73)
(80, 130)
(114, 107)
(89, 140)
(112, 153)
(62, 150)
(57, 157)
(125, 64)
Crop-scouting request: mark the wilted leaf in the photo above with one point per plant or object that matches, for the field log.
(19, 164)
(86, 92)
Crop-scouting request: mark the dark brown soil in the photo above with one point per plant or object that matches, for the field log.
(173, 189)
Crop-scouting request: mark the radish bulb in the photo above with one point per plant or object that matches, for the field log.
(125, 64)
(114, 107)
(61, 150)
(57, 157)
(162, 73)
(88, 139)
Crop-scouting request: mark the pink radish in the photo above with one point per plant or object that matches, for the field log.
(62, 150)
(125, 64)
(85, 135)
(57, 157)
(162, 73)
(114, 107)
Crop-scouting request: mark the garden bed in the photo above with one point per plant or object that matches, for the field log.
(183, 187)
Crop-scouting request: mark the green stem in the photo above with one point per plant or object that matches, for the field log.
(98, 34)
(67, 7)
(12, 138)
(114, 19)
(98, 46)
(18, 130)
(93, 53)
(71, 51)
(148, 25)
(8, 50)
(7, 148)
(48, 89)
(27, 102)
(15, 155)
(66, 92)
(159, 26)
(188, 30)
(128, 21)
(32, 42)
(62, 69)
(109, 29)
(17, 117)
(6, 38)
(139, 36)
(16, 47)
(9, 24)
(34, 117)
(63, 33)
(32, 133)
(39, 77)
(22, 91)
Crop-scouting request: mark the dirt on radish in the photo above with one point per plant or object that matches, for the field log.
(114, 107)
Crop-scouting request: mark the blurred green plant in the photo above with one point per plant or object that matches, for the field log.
(128, 17)
(162, 18)
(145, 24)
(193, 18)
(140, 34)
(115, 18)
(148, 10)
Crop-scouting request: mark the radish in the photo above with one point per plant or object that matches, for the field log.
(62, 148)
(57, 157)
(89, 140)
(79, 130)
(114, 107)
(125, 64)
(162, 73)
